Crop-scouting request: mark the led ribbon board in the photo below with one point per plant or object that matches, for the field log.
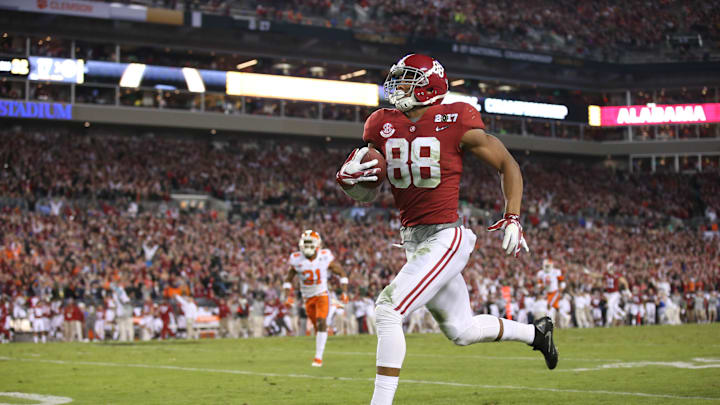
(525, 108)
(57, 69)
(300, 88)
(653, 114)
(15, 66)
(453, 97)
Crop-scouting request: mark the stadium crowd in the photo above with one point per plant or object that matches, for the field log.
(602, 30)
(123, 265)
(83, 233)
(43, 164)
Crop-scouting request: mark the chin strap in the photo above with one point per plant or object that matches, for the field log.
(406, 104)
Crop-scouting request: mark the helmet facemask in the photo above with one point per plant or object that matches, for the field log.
(309, 243)
(404, 76)
(416, 80)
(547, 265)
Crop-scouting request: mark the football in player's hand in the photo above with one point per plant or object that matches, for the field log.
(382, 165)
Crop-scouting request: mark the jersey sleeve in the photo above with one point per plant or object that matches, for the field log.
(371, 131)
(328, 254)
(470, 117)
(293, 259)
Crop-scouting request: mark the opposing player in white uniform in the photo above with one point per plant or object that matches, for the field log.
(311, 265)
(549, 278)
(423, 142)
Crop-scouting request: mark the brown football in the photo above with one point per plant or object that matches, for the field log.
(374, 154)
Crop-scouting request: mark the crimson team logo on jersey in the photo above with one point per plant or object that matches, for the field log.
(387, 130)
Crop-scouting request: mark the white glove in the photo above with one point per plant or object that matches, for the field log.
(514, 238)
(353, 172)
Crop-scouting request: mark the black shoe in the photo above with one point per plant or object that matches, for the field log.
(544, 341)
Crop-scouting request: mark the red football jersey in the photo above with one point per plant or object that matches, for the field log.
(424, 158)
(612, 282)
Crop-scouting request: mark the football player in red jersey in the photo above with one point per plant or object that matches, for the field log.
(423, 142)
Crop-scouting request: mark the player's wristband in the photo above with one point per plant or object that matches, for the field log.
(343, 280)
(512, 216)
(287, 285)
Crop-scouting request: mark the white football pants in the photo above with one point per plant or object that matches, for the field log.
(613, 307)
(430, 277)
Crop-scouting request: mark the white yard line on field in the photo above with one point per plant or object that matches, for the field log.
(430, 355)
(698, 363)
(38, 399)
(364, 380)
(464, 356)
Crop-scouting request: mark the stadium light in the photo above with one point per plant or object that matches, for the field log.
(132, 76)
(247, 64)
(194, 81)
(453, 97)
(299, 88)
(356, 73)
(459, 82)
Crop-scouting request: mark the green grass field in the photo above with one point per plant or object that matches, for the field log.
(643, 365)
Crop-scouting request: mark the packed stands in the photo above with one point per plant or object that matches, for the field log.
(605, 30)
(115, 167)
(84, 213)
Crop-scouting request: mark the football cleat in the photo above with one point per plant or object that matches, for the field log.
(317, 363)
(544, 341)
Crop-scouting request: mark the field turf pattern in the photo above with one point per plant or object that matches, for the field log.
(277, 370)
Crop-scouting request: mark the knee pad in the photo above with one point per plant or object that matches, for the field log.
(385, 316)
(391, 341)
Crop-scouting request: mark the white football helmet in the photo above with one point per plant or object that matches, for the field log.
(547, 265)
(310, 242)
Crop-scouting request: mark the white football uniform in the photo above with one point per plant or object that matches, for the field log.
(432, 276)
(313, 273)
(41, 321)
(550, 279)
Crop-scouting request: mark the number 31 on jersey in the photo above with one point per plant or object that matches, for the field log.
(424, 157)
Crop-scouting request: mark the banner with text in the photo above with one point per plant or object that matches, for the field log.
(653, 114)
(37, 110)
(67, 7)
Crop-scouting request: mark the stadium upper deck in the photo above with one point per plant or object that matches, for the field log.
(290, 45)
(607, 30)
